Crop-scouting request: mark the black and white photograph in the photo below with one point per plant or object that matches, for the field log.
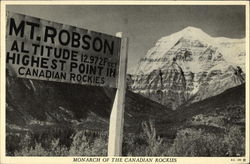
(125, 80)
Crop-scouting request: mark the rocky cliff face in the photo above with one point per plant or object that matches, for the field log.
(189, 66)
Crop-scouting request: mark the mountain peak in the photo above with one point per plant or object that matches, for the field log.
(194, 33)
(191, 28)
(187, 31)
(188, 45)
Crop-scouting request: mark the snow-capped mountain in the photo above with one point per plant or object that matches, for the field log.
(189, 66)
(195, 41)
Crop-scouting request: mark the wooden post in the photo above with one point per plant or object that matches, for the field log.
(117, 113)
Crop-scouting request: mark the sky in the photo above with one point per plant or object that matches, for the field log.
(143, 25)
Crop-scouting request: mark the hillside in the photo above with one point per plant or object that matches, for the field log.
(36, 105)
(216, 114)
(42, 112)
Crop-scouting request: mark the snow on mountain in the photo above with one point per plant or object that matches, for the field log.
(196, 41)
(189, 65)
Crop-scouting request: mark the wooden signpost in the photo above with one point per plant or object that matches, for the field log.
(117, 113)
(45, 50)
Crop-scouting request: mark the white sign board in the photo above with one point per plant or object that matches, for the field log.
(45, 50)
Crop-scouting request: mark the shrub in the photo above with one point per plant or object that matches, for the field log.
(235, 141)
(82, 145)
(154, 142)
(38, 150)
(191, 142)
(86, 146)
(11, 144)
(134, 145)
(184, 143)
(188, 142)
(57, 149)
